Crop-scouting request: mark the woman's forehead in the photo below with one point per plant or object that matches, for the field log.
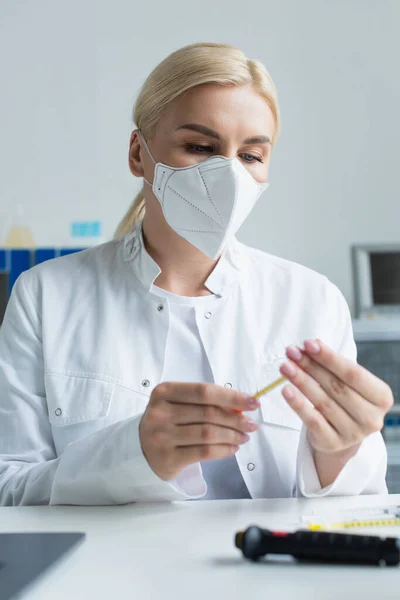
(222, 109)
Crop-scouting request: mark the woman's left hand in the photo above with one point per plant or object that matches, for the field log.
(350, 402)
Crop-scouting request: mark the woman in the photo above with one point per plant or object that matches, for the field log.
(126, 370)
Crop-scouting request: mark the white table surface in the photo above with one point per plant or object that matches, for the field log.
(185, 550)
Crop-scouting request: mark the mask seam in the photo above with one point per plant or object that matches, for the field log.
(194, 206)
(235, 204)
(206, 168)
(211, 200)
(197, 230)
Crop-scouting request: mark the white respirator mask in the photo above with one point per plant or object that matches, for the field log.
(205, 203)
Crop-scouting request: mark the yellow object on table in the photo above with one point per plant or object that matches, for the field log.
(350, 524)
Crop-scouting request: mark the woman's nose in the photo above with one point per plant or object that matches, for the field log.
(228, 151)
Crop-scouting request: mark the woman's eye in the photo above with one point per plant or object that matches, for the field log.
(250, 158)
(199, 148)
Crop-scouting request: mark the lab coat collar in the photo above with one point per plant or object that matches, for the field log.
(220, 281)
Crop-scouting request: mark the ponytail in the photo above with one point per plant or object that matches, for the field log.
(134, 214)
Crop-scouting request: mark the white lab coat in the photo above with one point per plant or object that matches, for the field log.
(82, 347)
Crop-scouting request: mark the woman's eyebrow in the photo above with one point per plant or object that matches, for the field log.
(258, 139)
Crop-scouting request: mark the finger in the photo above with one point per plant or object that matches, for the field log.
(193, 454)
(331, 387)
(194, 435)
(354, 375)
(185, 414)
(318, 426)
(204, 393)
(334, 414)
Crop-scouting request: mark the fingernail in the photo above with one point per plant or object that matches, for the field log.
(245, 438)
(252, 425)
(293, 353)
(288, 369)
(253, 402)
(289, 392)
(312, 346)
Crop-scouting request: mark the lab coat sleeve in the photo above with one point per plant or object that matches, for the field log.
(105, 467)
(365, 472)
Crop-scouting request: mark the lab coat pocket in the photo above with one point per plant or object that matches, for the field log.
(126, 402)
(274, 408)
(76, 399)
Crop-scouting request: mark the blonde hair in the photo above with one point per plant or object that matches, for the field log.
(182, 70)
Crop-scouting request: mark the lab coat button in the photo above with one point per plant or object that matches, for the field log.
(145, 383)
(251, 466)
(208, 315)
(160, 308)
(58, 412)
(228, 385)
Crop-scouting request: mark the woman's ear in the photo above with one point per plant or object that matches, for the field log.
(135, 161)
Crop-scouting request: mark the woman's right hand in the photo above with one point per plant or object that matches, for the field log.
(185, 423)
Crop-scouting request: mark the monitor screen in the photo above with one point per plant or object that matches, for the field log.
(385, 275)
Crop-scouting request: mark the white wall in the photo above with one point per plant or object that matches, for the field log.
(70, 72)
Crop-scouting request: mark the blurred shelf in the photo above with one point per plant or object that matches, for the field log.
(393, 450)
(380, 329)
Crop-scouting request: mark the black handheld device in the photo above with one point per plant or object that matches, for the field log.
(319, 546)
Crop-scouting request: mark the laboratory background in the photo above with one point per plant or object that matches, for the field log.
(70, 73)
